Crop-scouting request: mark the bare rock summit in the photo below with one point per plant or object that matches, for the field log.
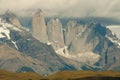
(39, 27)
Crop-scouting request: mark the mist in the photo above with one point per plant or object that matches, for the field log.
(64, 8)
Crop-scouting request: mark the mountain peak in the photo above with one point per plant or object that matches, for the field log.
(9, 14)
(39, 26)
(39, 12)
(10, 17)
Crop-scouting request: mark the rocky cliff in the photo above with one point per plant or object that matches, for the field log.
(11, 17)
(39, 30)
(51, 48)
(55, 33)
(30, 53)
(95, 38)
(90, 43)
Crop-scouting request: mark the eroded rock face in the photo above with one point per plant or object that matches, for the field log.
(70, 32)
(55, 33)
(90, 43)
(83, 39)
(12, 18)
(93, 37)
(38, 27)
(26, 52)
(80, 41)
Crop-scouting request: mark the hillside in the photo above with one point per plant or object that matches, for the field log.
(5, 75)
(64, 75)
(85, 75)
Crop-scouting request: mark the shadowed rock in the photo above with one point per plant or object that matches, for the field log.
(11, 17)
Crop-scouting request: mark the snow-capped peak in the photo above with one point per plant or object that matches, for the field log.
(116, 41)
(113, 38)
(85, 58)
(5, 29)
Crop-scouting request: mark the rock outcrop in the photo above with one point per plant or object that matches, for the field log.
(79, 38)
(82, 46)
(11, 17)
(39, 30)
(70, 32)
(92, 37)
(55, 33)
(34, 55)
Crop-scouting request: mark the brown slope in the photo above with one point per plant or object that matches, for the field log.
(85, 75)
(5, 75)
(64, 75)
(10, 59)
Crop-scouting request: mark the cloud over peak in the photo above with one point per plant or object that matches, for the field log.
(64, 8)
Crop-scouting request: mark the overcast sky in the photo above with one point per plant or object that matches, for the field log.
(64, 8)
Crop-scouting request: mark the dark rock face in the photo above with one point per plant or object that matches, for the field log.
(25, 69)
(11, 17)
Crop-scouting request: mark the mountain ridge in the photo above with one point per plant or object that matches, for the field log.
(41, 57)
(54, 48)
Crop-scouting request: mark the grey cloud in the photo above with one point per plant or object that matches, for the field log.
(64, 8)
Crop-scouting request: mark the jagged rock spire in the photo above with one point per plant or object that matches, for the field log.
(9, 16)
(38, 26)
(55, 33)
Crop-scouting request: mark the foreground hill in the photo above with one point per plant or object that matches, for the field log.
(5, 75)
(85, 75)
(64, 75)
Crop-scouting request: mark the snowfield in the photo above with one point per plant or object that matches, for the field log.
(5, 29)
(115, 29)
(85, 58)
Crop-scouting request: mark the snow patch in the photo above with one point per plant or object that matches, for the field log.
(15, 44)
(62, 51)
(1, 36)
(49, 43)
(17, 29)
(86, 57)
(5, 29)
(113, 26)
(116, 41)
(28, 39)
(115, 29)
